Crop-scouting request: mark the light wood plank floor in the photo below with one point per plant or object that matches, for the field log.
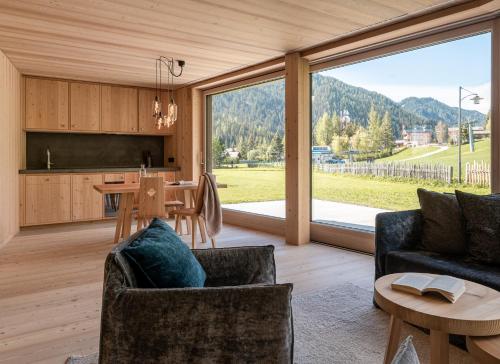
(51, 283)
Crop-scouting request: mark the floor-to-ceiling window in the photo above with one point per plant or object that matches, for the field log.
(383, 127)
(246, 146)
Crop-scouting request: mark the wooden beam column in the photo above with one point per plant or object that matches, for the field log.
(298, 149)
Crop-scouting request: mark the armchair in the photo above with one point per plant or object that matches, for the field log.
(241, 315)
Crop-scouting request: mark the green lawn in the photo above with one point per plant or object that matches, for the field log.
(267, 184)
(408, 153)
(448, 157)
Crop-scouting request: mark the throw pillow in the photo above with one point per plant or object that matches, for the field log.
(482, 216)
(160, 259)
(443, 229)
(406, 353)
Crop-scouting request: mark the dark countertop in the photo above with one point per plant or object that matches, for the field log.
(96, 170)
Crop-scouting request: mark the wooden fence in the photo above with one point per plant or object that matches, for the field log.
(477, 173)
(437, 172)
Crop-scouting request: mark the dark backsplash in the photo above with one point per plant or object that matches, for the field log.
(92, 150)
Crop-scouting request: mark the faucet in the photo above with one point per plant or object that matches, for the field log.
(49, 163)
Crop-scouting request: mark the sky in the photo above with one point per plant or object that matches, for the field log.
(434, 71)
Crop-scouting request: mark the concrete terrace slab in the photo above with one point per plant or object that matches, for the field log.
(351, 215)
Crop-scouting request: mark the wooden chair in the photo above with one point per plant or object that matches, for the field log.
(151, 200)
(194, 215)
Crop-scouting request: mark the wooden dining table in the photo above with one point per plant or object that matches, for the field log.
(126, 201)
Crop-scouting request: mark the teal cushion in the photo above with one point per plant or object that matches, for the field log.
(160, 259)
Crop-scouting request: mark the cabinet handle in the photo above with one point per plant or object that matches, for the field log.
(62, 125)
(73, 125)
(47, 179)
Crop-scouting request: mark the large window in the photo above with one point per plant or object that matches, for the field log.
(246, 146)
(384, 127)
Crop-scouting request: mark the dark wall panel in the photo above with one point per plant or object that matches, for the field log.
(92, 150)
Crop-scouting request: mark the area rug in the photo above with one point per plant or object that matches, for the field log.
(340, 325)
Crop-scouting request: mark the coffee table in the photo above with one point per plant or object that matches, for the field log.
(485, 349)
(476, 313)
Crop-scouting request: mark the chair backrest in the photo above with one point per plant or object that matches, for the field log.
(200, 193)
(151, 197)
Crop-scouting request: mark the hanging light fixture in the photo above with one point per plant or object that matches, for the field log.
(169, 117)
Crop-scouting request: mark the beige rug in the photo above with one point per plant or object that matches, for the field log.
(340, 325)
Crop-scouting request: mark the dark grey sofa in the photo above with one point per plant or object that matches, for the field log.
(241, 315)
(397, 235)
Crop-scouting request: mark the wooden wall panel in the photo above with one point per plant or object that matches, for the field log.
(10, 126)
(298, 150)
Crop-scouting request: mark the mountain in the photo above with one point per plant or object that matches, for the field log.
(431, 110)
(250, 117)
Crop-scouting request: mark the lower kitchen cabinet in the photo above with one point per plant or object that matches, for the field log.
(87, 203)
(48, 199)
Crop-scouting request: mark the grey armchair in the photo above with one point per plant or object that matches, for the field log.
(241, 315)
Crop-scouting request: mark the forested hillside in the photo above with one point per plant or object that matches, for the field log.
(250, 118)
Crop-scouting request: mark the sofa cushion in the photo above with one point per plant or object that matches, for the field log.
(482, 216)
(443, 228)
(160, 259)
(429, 262)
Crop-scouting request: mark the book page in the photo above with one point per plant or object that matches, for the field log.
(417, 281)
(446, 284)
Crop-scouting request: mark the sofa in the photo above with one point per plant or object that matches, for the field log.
(397, 236)
(241, 315)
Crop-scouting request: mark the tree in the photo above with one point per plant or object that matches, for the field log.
(218, 151)
(360, 140)
(441, 132)
(374, 129)
(336, 124)
(386, 131)
(324, 130)
(253, 155)
(464, 133)
(487, 125)
(340, 144)
(275, 150)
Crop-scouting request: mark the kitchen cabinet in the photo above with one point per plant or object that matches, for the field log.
(119, 109)
(146, 119)
(87, 203)
(47, 105)
(85, 101)
(47, 199)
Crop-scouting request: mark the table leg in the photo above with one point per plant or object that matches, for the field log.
(119, 220)
(439, 347)
(188, 204)
(127, 219)
(394, 334)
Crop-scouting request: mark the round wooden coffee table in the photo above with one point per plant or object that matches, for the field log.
(476, 313)
(485, 349)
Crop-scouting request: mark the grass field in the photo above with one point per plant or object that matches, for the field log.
(267, 184)
(447, 157)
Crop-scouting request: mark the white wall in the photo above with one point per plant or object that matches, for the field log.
(10, 132)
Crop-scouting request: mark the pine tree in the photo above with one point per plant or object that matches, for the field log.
(218, 151)
(441, 132)
(374, 130)
(324, 130)
(386, 131)
(275, 150)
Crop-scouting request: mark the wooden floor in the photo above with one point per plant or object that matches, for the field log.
(51, 282)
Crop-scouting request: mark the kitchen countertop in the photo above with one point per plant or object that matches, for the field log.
(96, 170)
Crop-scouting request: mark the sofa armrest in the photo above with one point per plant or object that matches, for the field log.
(238, 266)
(399, 230)
(229, 324)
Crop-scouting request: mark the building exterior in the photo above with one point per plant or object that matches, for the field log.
(418, 136)
(321, 153)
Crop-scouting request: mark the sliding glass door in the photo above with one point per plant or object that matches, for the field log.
(246, 147)
(383, 127)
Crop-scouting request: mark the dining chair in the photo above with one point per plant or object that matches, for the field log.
(151, 200)
(194, 215)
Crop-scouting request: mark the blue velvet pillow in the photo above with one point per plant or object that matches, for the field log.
(161, 260)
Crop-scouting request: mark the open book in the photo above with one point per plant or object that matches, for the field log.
(449, 287)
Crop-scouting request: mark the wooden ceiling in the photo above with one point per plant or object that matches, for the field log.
(117, 40)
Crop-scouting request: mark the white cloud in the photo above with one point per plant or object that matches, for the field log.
(448, 95)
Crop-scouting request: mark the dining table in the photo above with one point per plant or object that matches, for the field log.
(127, 192)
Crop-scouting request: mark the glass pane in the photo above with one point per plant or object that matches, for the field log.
(248, 147)
(385, 127)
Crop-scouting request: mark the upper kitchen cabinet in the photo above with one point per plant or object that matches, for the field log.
(85, 106)
(119, 109)
(146, 119)
(47, 106)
